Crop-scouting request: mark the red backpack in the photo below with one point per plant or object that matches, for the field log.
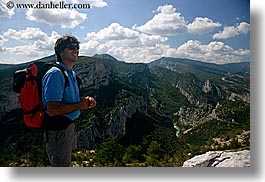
(28, 82)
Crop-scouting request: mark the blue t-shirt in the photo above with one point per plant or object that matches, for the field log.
(53, 89)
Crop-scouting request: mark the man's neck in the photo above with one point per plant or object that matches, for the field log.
(69, 64)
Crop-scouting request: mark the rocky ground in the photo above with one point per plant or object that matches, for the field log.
(220, 159)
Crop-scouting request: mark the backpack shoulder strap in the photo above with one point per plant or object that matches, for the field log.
(65, 74)
(79, 81)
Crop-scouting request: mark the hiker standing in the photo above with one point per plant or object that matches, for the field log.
(62, 103)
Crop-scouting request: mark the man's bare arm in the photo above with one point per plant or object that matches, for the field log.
(58, 108)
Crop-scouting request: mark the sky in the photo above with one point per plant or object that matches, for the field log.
(255, 174)
(135, 31)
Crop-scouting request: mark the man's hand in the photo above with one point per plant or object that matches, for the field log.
(88, 102)
(91, 102)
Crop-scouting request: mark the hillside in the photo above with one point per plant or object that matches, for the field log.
(141, 108)
(202, 69)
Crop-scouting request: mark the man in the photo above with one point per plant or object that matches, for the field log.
(63, 103)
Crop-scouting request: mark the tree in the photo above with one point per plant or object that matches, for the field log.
(132, 154)
(153, 154)
(110, 153)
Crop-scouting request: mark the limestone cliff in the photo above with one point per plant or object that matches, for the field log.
(112, 124)
(8, 101)
(93, 73)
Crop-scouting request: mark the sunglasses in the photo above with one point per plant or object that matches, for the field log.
(72, 47)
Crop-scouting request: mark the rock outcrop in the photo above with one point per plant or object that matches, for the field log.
(8, 101)
(93, 73)
(220, 159)
(113, 123)
(195, 116)
(190, 86)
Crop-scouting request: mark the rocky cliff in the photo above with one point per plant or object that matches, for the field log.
(99, 73)
(200, 92)
(93, 73)
(205, 96)
(8, 101)
(113, 123)
(8, 98)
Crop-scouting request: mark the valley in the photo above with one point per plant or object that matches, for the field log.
(139, 106)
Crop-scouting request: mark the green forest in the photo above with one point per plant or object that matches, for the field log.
(163, 96)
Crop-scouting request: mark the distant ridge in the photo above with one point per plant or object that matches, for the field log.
(183, 64)
(105, 56)
(237, 67)
(177, 64)
(51, 58)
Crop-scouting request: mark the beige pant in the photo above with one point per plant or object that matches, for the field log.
(60, 144)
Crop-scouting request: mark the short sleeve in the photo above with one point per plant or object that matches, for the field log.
(53, 85)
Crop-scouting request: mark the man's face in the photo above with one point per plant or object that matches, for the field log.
(70, 53)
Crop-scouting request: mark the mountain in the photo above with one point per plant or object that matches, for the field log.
(202, 68)
(145, 106)
(6, 69)
(237, 67)
(105, 56)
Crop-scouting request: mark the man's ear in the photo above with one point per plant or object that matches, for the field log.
(61, 54)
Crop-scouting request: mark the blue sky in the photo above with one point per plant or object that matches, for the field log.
(215, 31)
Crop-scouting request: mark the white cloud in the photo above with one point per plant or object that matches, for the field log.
(113, 32)
(47, 43)
(202, 26)
(36, 46)
(2, 41)
(243, 27)
(143, 43)
(123, 43)
(95, 3)
(25, 50)
(26, 35)
(63, 17)
(132, 46)
(166, 22)
(4, 11)
(214, 52)
(232, 31)
(151, 40)
(89, 48)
